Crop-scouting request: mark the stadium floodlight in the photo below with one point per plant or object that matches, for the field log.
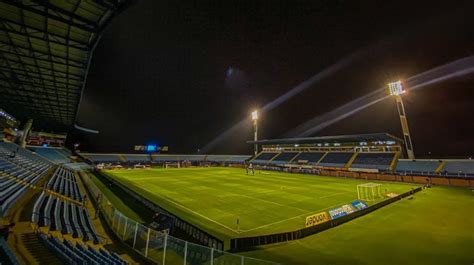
(255, 130)
(254, 115)
(395, 89)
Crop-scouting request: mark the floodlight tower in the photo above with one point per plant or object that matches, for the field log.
(255, 130)
(396, 90)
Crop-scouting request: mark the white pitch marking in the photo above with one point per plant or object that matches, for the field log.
(294, 217)
(203, 216)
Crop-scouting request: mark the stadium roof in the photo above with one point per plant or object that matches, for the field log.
(45, 51)
(352, 138)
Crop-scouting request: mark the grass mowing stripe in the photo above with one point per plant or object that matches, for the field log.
(214, 198)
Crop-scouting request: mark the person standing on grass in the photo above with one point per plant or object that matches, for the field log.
(251, 169)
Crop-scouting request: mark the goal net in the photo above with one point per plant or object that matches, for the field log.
(369, 191)
(172, 165)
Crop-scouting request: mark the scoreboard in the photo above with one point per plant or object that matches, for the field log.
(151, 148)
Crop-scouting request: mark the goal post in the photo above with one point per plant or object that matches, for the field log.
(369, 191)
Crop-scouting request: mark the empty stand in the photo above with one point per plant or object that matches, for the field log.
(65, 217)
(417, 166)
(335, 159)
(137, 158)
(19, 168)
(284, 157)
(459, 168)
(380, 161)
(64, 182)
(264, 158)
(102, 158)
(309, 157)
(77, 253)
(53, 154)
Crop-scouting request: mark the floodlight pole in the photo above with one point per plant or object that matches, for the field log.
(405, 129)
(255, 131)
(396, 90)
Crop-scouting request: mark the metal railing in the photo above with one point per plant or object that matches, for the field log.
(160, 247)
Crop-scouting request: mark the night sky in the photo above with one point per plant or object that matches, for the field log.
(179, 73)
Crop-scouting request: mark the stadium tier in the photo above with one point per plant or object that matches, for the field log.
(64, 182)
(335, 159)
(310, 158)
(102, 158)
(64, 216)
(264, 158)
(284, 157)
(227, 158)
(459, 168)
(57, 155)
(79, 254)
(380, 161)
(417, 166)
(18, 168)
(137, 158)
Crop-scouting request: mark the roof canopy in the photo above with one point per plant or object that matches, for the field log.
(45, 51)
(353, 138)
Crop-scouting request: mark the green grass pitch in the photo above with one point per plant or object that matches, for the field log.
(435, 227)
(269, 202)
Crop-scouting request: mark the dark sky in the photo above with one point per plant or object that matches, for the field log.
(161, 72)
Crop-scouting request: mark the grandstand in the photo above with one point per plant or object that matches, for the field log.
(19, 168)
(80, 254)
(57, 155)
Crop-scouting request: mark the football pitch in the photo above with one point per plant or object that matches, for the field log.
(228, 203)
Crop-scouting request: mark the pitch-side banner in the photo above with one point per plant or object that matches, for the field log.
(317, 219)
(341, 211)
(359, 205)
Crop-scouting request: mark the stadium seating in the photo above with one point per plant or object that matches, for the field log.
(192, 158)
(53, 154)
(263, 158)
(6, 255)
(17, 172)
(335, 159)
(77, 166)
(137, 158)
(102, 158)
(64, 182)
(417, 166)
(459, 168)
(64, 216)
(218, 158)
(165, 158)
(284, 157)
(79, 254)
(380, 161)
(239, 158)
(311, 157)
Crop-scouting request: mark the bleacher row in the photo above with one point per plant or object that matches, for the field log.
(65, 217)
(18, 168)
(380, 161)
(64, 182)
(57, 155)
(79, 254)
(144, 158)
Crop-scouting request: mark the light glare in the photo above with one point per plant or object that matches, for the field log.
(396, 88)
(254, 115)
